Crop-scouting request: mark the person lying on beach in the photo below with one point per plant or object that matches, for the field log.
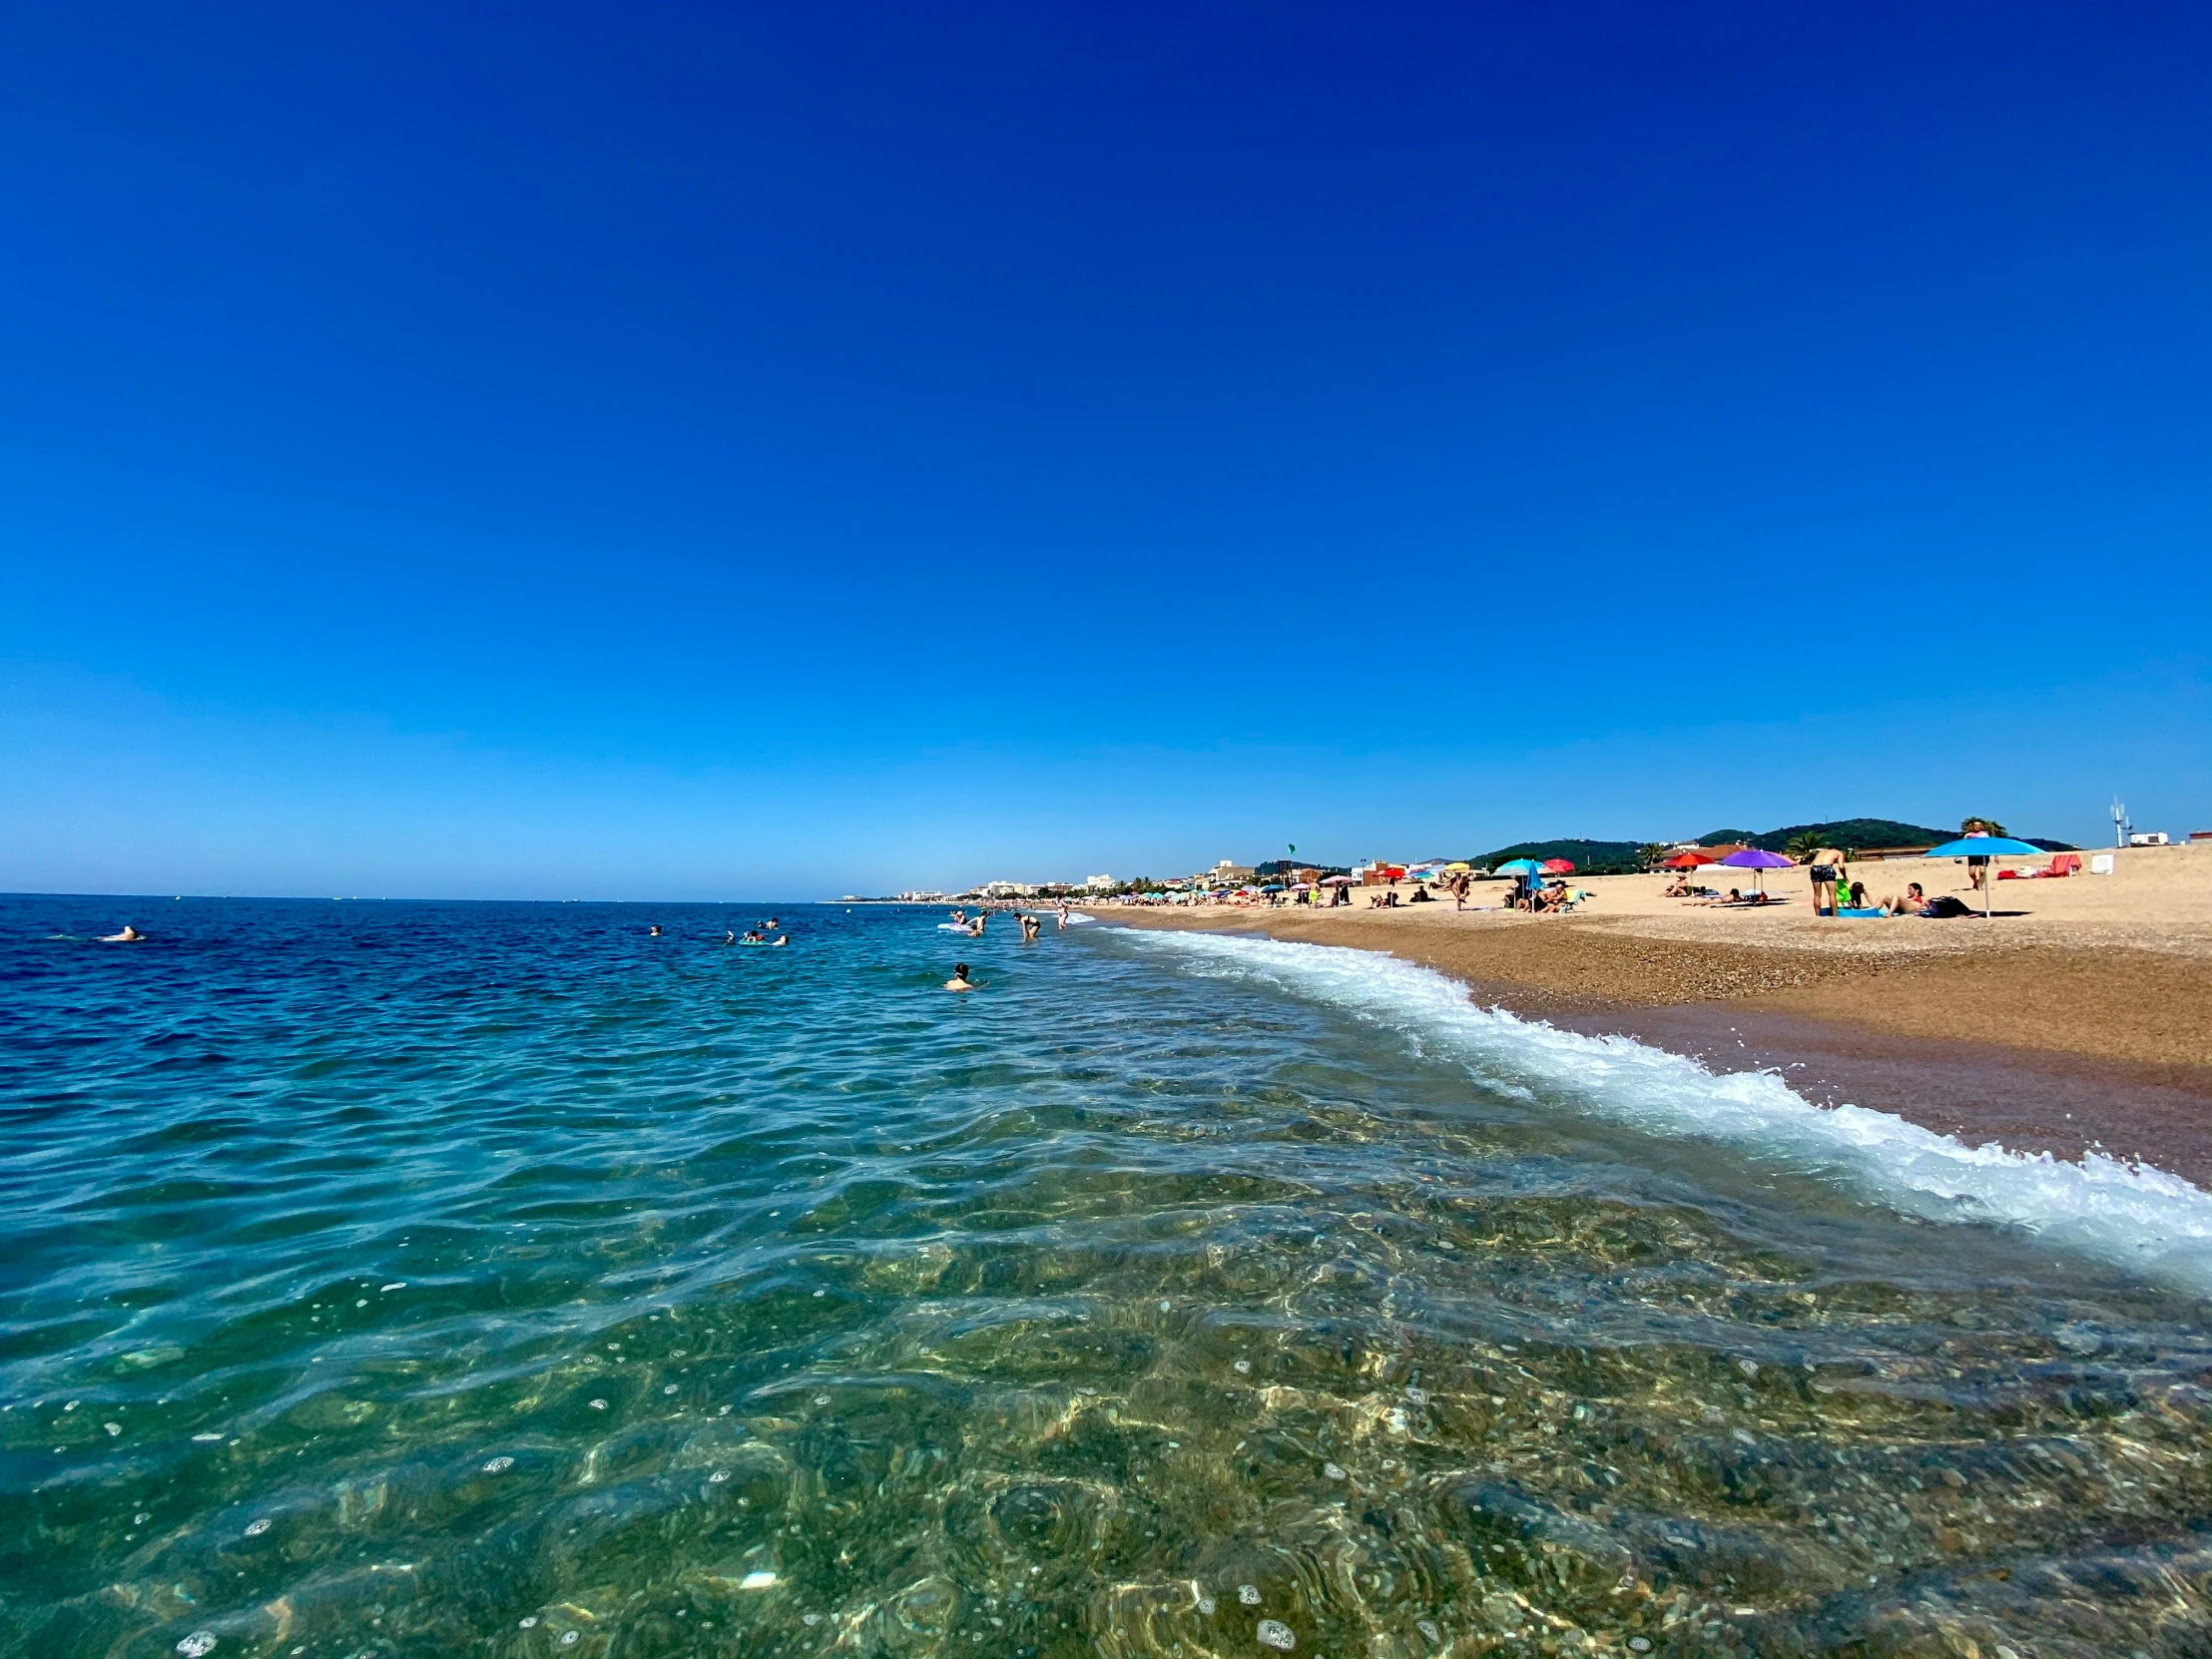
(1911, 905)
(129, 935)
(960, 980)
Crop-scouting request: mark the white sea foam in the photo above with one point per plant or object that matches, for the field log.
(2127, 1214)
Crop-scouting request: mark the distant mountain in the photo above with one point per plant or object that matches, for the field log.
(1588, 857)
(1849, 833)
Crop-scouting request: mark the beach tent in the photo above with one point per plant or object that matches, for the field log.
(1757, 857)
(1986, 847)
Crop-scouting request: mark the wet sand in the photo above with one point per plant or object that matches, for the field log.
(2048, 1034)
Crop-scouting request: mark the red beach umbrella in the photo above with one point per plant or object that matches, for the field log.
(1687, 860)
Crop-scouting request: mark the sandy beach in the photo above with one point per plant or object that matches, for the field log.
(2079, 1016)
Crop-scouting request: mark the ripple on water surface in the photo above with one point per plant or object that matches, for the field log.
(421, 1279)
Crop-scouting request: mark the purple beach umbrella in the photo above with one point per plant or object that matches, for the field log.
(1757, 858)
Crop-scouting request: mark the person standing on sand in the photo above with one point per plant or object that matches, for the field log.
(1977, 868)
(1828, 869)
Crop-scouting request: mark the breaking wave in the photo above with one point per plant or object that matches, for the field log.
(2127, 1214)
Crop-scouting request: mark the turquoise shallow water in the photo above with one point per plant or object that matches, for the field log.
(418, 1278)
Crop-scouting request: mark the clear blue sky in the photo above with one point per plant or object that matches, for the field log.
(704, 450)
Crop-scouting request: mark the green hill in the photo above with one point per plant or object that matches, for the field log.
(1848, 833)
(1591, 858)
(1588, 857)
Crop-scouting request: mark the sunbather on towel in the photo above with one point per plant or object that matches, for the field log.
(1911, 903)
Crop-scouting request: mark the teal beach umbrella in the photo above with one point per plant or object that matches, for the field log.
(1986, 847)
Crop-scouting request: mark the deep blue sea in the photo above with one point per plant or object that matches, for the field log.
(499, 1279)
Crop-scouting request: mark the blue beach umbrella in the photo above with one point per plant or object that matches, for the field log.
(1986, 847)
(1521, 867)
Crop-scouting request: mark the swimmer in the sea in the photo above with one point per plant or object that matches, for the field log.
(781, 939)
(960, 980)
(728, 936)
(750, 938)
(975, 927)
(656, 932)
(959, 919)
(129, 935)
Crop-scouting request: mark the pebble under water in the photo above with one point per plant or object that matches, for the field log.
(496, 1279)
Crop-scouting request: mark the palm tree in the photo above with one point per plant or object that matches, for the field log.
(1649, 855)
(1804, 843)
(1980, 826)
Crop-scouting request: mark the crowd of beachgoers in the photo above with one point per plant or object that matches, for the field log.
(1694, 876)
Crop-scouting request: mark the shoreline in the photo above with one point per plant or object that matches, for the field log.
(2032, 1040)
